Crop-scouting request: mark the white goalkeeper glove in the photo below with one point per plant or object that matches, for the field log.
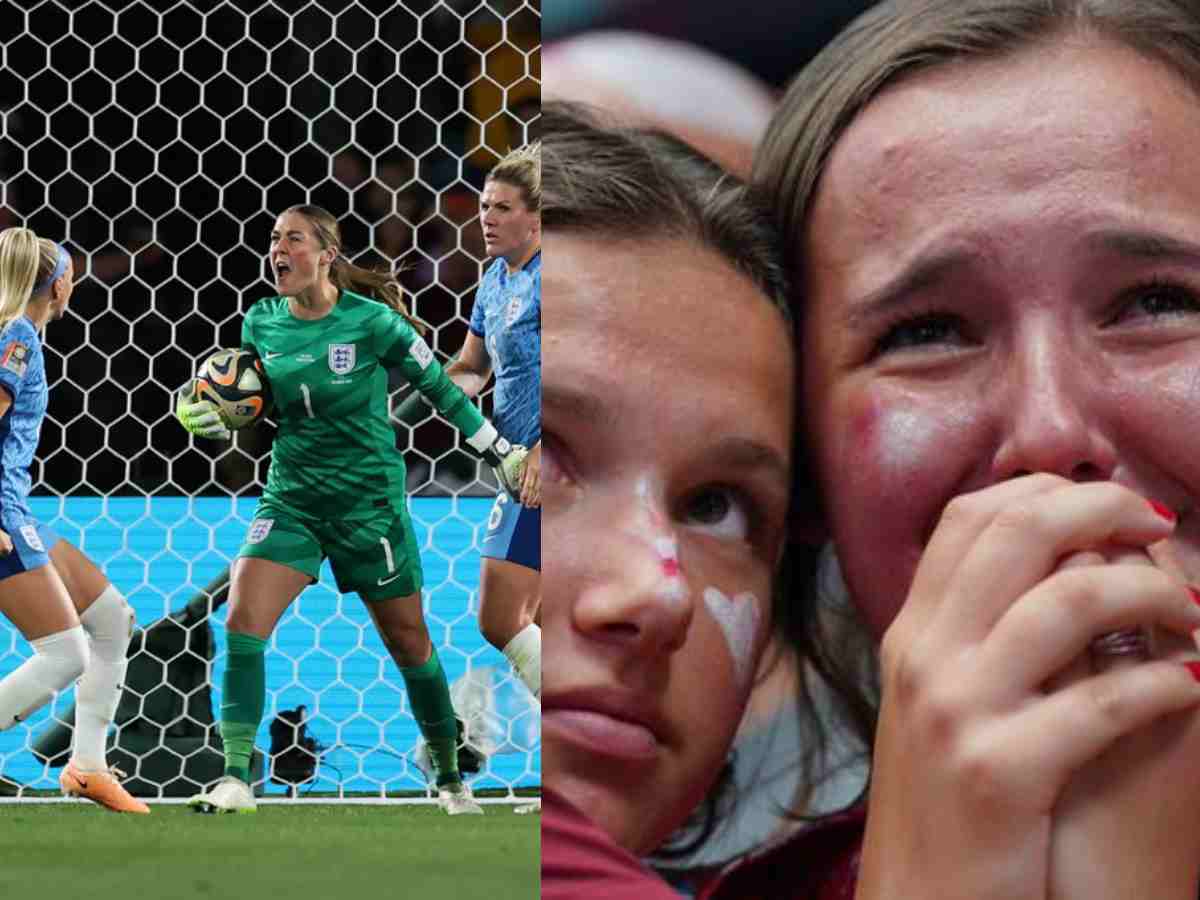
(200, 417)
(508, 464)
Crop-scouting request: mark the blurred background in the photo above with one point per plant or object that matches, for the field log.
(707, 70)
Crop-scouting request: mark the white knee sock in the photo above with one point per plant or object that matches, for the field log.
(109, 624)
(58, 659)
(525, 653)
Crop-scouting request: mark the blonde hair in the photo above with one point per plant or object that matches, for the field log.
(21, 258)
(378, 284)
(522, 168)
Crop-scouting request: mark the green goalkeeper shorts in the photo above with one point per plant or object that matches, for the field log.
(372, 550)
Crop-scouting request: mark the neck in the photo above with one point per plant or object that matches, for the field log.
(315, 302)
(516, 263)
(38, 310)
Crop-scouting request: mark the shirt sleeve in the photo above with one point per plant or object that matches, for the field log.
(16, 351)
(248, 331)
(398, 346)
(477, 320)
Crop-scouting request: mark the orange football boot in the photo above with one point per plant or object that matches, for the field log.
(100, 787)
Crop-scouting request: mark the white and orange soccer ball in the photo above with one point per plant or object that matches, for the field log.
(235, 383)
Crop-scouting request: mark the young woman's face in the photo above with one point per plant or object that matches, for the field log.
(666, 419)
(1003, 267)
(296, 255)
(510, 228)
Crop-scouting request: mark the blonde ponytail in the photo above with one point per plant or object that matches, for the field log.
(20, 259)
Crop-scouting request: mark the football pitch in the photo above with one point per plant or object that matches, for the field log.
(300, 852)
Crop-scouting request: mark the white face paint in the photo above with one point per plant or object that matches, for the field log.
(654, 530)
(739, 621)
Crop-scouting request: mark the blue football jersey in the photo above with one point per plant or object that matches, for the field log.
(508, 317)
(23, 374)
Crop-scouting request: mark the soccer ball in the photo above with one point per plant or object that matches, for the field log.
(235, 383)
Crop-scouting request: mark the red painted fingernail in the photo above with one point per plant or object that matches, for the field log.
(1163, 510)
(1194, 668)
(1195, 595)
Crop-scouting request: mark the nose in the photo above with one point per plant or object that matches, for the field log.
(1053, 415)
(631, 593)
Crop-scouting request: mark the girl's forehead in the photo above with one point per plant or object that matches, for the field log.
(293, 222)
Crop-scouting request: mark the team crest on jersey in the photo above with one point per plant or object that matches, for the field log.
(15, 358)
(341, 358)
(513, 310)
(259, 529)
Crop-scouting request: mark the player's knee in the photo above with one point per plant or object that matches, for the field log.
(409, 645)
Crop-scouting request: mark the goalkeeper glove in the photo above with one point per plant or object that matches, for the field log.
(507, 462)
(200, 417)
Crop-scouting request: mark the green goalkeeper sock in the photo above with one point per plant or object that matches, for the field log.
(429, 697)
(244, 696)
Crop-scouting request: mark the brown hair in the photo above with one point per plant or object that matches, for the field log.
(379, 284)
(887, 43)
(522, 168)
(626, 182)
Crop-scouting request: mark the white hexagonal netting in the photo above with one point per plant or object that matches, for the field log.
(158, 141)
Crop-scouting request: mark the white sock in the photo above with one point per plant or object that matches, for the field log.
(525, 653)
(109, 624)
(58, 659)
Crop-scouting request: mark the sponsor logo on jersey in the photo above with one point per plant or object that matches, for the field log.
(269, 355)
(341, 358)
(31, 538)
(259, 529)
(420, 352)
(512, 311)
(15, 358)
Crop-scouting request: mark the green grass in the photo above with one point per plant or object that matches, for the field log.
(279, 853)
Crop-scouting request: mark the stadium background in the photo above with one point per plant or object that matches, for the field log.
(159, 142)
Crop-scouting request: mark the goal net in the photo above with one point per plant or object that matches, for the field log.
(158, 141)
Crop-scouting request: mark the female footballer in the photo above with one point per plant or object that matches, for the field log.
(77, 622)
(336, 485)
(505, 336)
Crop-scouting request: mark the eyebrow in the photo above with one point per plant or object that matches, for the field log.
(930, 269)
(577, 404)
(731, 452)
(751, 455)
(1146, 245)
(923, 272)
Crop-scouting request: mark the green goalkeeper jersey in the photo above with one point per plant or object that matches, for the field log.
(335, 449)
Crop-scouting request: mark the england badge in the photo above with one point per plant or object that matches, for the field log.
(341, 358)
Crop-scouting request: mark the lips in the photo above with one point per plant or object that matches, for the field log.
(611, 724)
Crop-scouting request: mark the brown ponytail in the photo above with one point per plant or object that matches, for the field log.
(378, 284)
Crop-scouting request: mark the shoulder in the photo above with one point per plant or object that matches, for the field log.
(265, 307)
(21, 329)
(494, 272)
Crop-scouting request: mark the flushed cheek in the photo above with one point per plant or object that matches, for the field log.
(886, 479)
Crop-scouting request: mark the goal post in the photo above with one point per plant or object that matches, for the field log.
(158, 142)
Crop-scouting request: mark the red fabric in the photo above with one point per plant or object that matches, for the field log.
(819, 863)
(581, 862)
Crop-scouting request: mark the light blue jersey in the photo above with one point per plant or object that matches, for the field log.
(508, 317)
(23, 375)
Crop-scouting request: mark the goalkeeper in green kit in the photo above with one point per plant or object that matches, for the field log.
(336, 486)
